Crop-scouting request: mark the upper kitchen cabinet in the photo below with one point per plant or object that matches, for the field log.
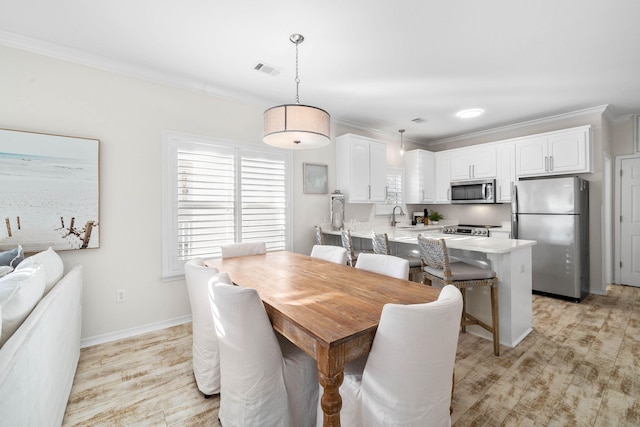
(555, 153)
(361, 166)
(443, 177)
(473, 163)
(505, 171)
(420, 176)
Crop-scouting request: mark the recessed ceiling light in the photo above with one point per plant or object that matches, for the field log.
(470, 113)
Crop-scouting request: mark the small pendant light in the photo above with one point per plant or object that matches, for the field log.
(401, 142)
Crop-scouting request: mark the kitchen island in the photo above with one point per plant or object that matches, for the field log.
(509, 258)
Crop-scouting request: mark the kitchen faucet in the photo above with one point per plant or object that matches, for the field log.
(393, 215)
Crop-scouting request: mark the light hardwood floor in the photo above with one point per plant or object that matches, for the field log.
(579, 367)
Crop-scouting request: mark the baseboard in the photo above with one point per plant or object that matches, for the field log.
(132, 332)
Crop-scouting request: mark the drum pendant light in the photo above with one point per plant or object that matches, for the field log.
(296, 126)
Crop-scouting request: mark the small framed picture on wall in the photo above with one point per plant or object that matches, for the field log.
(637, 133)
(316, 179)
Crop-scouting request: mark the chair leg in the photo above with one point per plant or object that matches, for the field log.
(463, 321)
(495, 320)
(453, 385)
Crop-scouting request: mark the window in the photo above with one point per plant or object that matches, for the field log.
(393, 192)
(218, 192)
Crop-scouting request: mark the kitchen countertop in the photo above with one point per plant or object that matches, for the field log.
(409, 235)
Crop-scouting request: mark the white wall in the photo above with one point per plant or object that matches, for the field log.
(128, 115)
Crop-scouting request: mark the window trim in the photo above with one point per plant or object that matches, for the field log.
(382, 209)
(172, 268)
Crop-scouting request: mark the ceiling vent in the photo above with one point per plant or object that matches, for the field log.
(418, 120)
(268, 69)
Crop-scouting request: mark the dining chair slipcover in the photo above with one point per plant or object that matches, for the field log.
(331, 253)
(206, 356)
(407, 378)
(388, 265)
(266, 380)
(231, 250)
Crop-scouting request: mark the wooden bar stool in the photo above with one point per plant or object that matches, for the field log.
(380, 242)
(319, 236)
(437, 269)
(347, 243)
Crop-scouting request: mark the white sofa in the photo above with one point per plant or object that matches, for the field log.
(38, 362)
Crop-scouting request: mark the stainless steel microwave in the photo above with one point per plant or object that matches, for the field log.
(480, 191)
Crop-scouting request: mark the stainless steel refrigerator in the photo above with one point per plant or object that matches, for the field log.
(555, 213)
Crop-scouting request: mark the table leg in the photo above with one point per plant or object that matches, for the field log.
(331, 402)
(330, 364)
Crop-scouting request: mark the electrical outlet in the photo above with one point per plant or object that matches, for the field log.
(121, 295)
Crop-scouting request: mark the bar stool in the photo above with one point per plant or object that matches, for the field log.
(438, 269)
(319, 236)
(347, 243)
(380, 242)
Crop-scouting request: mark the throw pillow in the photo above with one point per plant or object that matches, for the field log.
(53, 266)
(12, 257)
(20, 291)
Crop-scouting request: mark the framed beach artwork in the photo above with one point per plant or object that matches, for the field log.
(316, 179)
(48, 191)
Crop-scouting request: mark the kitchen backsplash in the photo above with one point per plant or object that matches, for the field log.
(465, 214)
(472, 214)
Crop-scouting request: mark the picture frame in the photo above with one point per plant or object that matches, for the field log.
(49, 191)
(316, 179)
(637, 133)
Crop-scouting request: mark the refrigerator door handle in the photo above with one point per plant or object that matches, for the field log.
(514, 211)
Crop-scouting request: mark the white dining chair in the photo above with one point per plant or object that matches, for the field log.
(206, 356)
(407, 378)
(266, 380)
(231, 250)
(331, 253)
(388, 265)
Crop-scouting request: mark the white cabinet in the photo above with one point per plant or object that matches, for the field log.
(420, 176)
(505, 171)
(443, 177)
(555, 153)
(361, 165)
(477, 162)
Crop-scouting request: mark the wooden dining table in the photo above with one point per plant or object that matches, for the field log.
(328, 310)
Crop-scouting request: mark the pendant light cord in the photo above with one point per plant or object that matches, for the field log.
(297, 78)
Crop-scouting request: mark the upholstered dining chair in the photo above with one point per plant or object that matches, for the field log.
(231, 250)
(388, 265)
(331, 253)
(380, 242)
(266, 380)
(206, 356)
(438, 269)
(408, 376)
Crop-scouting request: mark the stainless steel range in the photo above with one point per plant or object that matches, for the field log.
(470, 230)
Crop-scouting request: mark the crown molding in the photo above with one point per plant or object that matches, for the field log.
(96, 61)
(601, 109)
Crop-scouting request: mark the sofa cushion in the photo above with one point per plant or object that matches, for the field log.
(12, 257)
(20, 291)
(53, 266)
